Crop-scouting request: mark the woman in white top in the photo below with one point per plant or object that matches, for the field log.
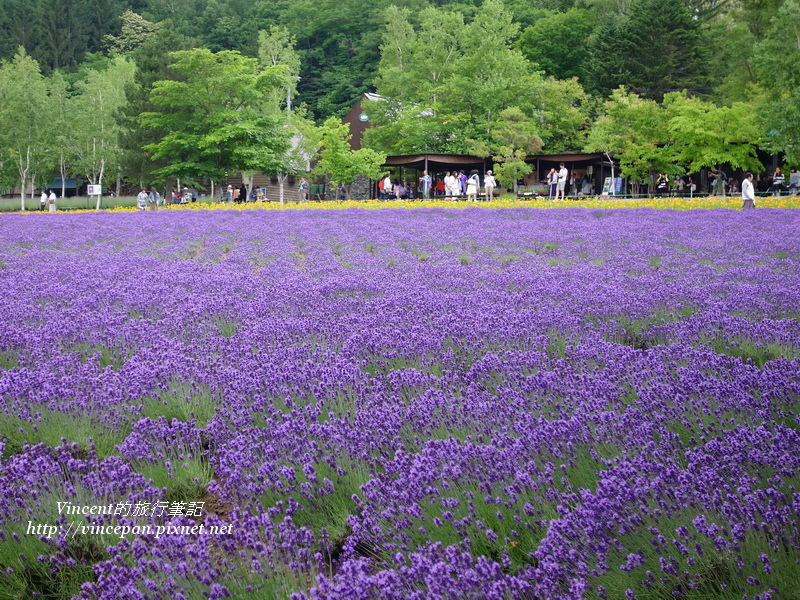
(387, 186)
(489, 184)
(450, 184)
(472, 186)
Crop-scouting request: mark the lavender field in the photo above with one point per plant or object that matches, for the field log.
(428, 404)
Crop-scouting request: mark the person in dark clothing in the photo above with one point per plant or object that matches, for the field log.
(242, 194)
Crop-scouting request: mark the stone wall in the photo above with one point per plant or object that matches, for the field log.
(359, 189)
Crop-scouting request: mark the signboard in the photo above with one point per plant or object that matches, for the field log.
(607, 189)
(95, 190)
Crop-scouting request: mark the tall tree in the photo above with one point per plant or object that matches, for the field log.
(565, 111)
(63, 121)
(445, 83)
(339, 161)
(704, 135)
(96, 137)
(62, 37)
(513, 137)
(557, 43)
(652, 47)
(24, 115)
(135, 32)
(216, 118)
(778, 62)
(276, 48)
(635, 129)
(152, 61)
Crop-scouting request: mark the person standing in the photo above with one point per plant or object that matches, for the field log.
(302, 190)
(794, 181)
(141, 200)
(449, 185)
(778, 181)
(748, 193)
(489, 184)
(43, 200)
(552, 183)
(425, 184)
(472, 186)
(662, 185)
(387, 187)
(51, 200)
(561, 182)
(153, 198)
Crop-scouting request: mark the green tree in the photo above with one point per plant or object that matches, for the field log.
(152, 61)
(565, 111)
(216, 119)
(63, 120)
(444, 83)
(634, 129)
(557, 43)
(96, 135)
(704, 135)
(136, 30)
(653, 46)
(513, 138)
(277, 47)
(24, 120)
(339, 161)
(492, 74)
(62, 34)
(778, 63)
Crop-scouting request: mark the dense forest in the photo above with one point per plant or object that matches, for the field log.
(491, 77)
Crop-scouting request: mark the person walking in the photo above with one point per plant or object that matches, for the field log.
(748, 193)
(51, 200)
(43, 200)
(302, 190)
(141, 200)
(561, 183)
(489, 184)
(153, 198)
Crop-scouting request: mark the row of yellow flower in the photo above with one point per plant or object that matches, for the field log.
(668, 203)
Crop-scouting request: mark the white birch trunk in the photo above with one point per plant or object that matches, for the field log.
(100, 181)
(281, 179)
(24, 168)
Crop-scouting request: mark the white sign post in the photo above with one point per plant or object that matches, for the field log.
(95, 190)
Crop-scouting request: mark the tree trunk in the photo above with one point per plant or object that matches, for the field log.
(23, 175)
(281, 179)
(612, 189)
(100, 182)
(63, 172)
